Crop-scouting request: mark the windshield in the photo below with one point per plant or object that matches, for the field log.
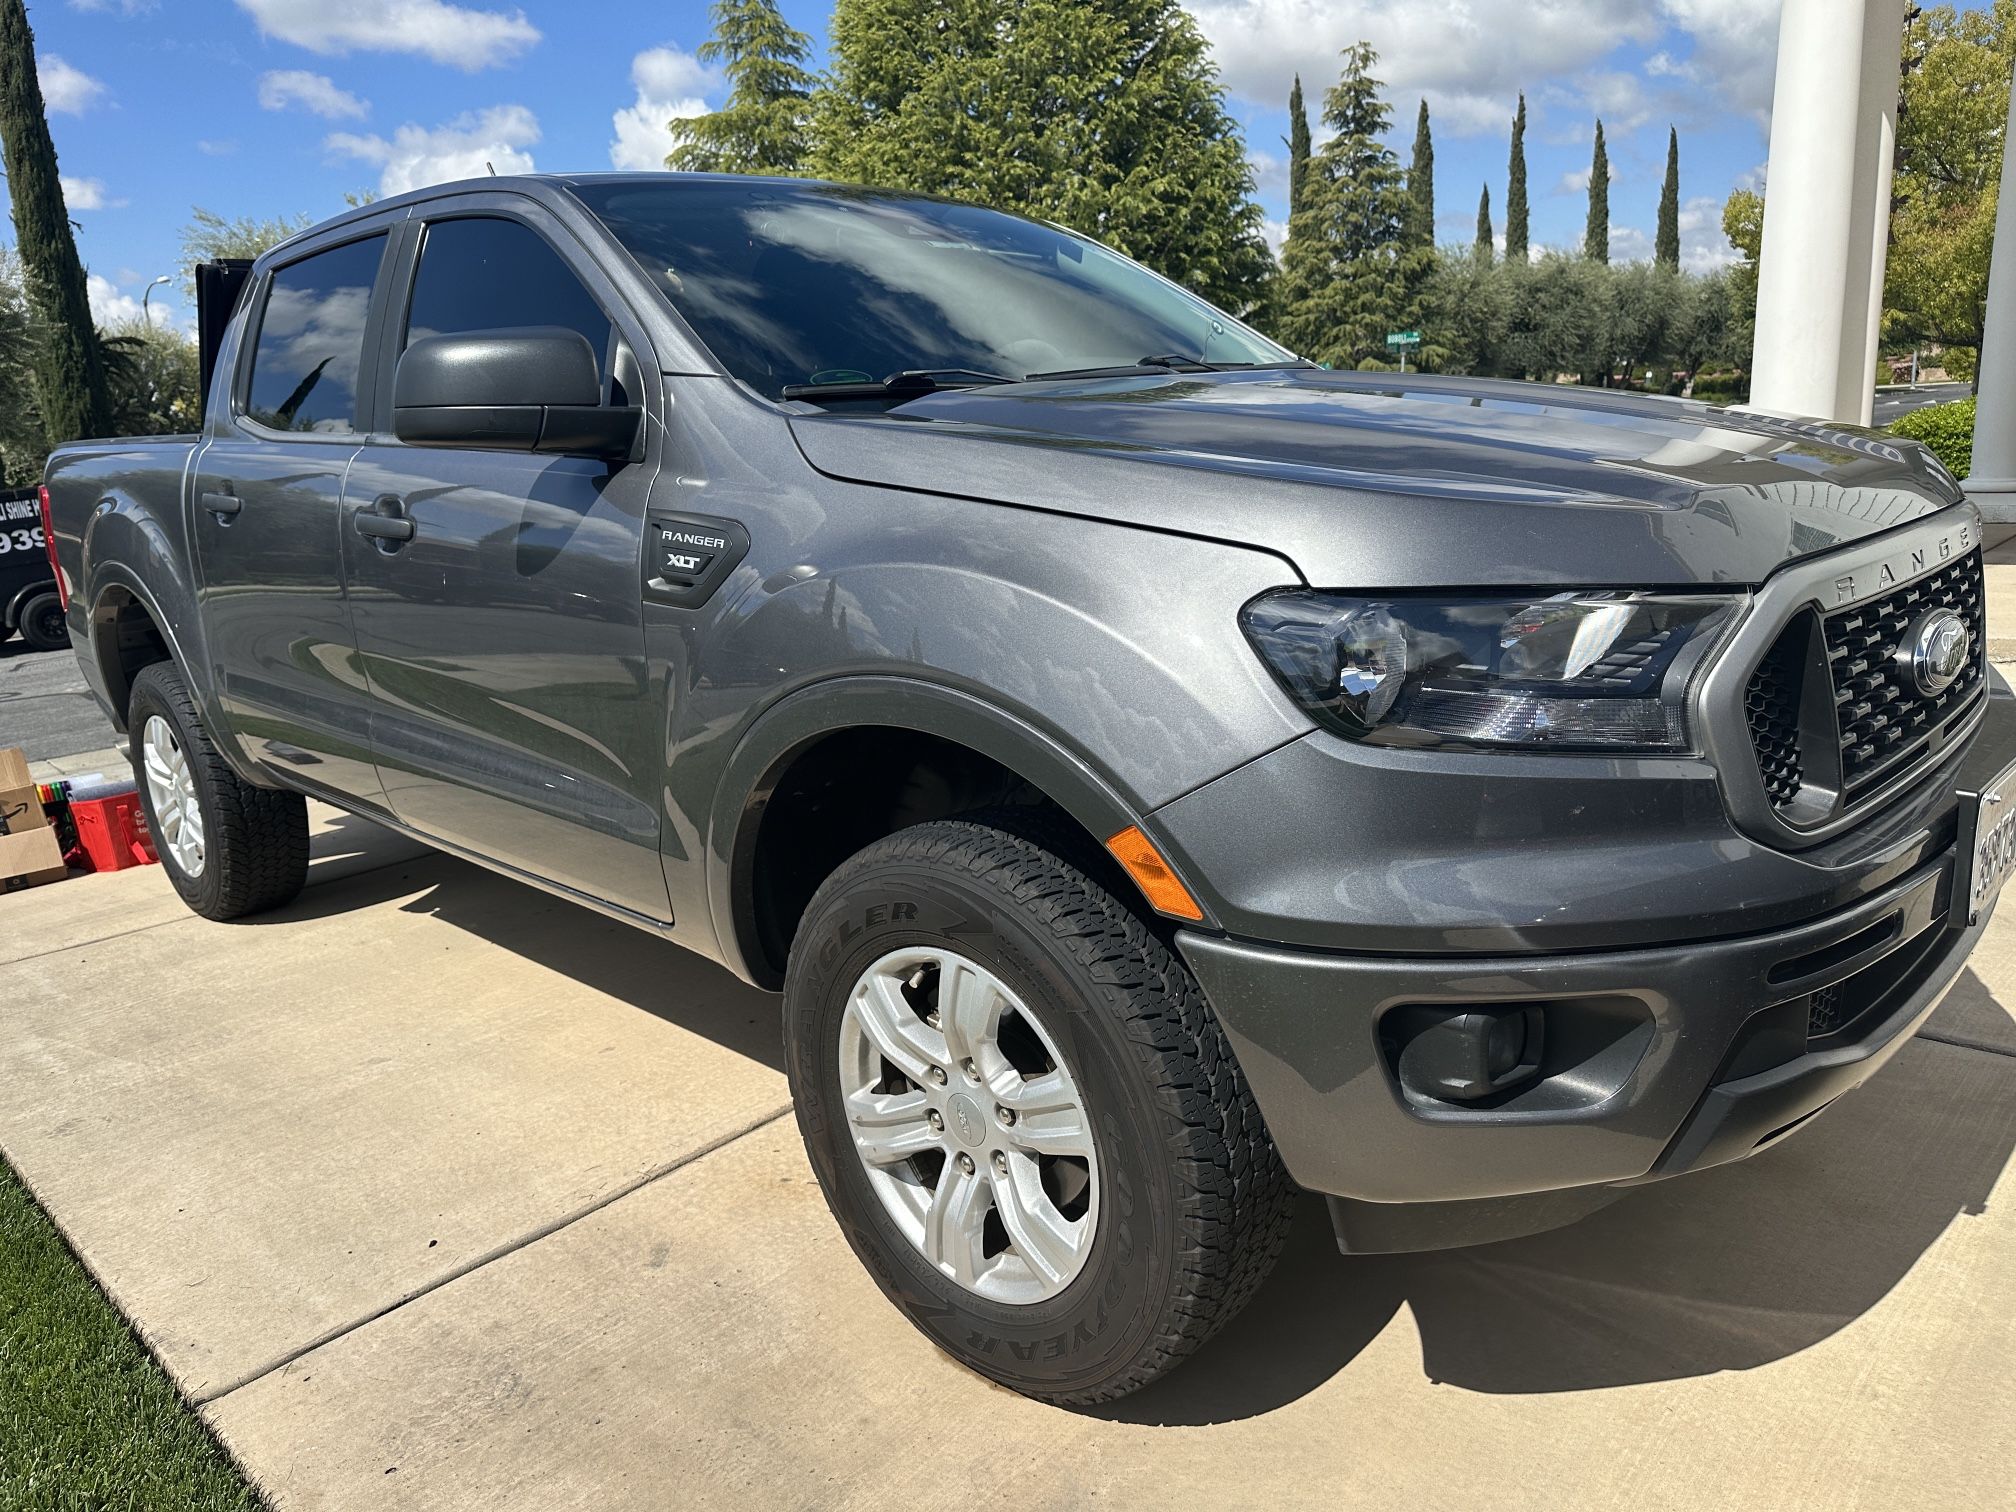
(793, 283)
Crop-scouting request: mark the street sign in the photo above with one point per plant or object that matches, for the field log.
(1403, 338)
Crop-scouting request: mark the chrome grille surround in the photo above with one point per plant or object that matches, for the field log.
(1782, 716)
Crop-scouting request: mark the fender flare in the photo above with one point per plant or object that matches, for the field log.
(827, 707)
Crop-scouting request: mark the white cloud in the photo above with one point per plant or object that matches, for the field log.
(1469, 60)
(86, 194)
(1576, 180)
(1703, 247)
(1735, 51)
(313, 92)
(416, 156)
(109, 306)
(670, 84)
(453, 34)
(67, 89)
(123, 7)
(1276, 232)
(1628, 244)
(222, 147)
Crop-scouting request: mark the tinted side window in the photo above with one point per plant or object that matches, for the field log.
(484, 275)
(311, 340)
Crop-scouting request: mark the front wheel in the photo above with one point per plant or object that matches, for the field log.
(1023, 1113)
(42, 623)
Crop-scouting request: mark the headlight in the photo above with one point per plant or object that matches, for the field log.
(1594, 671)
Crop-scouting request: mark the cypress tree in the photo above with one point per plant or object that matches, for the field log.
(1515, 191)
(1352, 270)
(763, 127)
(1666, 246)
(1421, 181)
(1298, 146)
(69, 363)
(1596, 238)
(1104, 115)
(1484, 247)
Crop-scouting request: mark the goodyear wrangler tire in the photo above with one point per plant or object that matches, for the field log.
(1023, 1114)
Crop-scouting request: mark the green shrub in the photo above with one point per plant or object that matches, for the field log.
(1947, 428)
(1722, 388)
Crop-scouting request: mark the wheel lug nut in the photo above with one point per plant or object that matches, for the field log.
(937, 1123)
(1007, 1117)
(965, 1163)
(972, 1071)
(1001, 1162)
(938, 1075)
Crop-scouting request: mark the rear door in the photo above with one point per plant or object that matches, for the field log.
(504, 643)
(266, 505)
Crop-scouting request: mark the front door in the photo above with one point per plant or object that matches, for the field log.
(265, 511)
(512, 713)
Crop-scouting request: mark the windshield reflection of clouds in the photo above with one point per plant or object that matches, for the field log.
(813, 285)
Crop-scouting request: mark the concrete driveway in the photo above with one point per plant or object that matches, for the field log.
(435, 1192)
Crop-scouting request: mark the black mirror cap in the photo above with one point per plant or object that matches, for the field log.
(528, 366)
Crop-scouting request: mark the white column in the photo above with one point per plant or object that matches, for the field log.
(1820, 277)
(1992, 482)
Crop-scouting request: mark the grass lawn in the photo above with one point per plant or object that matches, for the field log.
(87, 1419)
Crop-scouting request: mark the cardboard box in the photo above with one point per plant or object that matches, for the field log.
(29, 852)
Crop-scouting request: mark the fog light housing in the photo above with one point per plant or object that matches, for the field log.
(1446, 1053)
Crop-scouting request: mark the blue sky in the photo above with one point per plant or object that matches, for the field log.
(263, 107)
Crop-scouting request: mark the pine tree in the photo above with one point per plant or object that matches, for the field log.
(1484, 247)
(763, 127)
(1298, 146)
(68, 360)
(1421, 182)
(1351, 271)
(1596, 237)
(1104, 115)
(1515, 191)
(1666, 246)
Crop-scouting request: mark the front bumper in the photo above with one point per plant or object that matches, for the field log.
(1658, 1061)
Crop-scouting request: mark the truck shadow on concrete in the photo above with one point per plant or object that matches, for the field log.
(349, 870)
(1726, 1270)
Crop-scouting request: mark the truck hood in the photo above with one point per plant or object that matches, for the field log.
(1385, 481)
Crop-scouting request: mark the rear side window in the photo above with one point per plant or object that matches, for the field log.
(484, 274)
(311, 340)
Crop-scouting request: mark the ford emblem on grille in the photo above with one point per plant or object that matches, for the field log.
(1936, 651)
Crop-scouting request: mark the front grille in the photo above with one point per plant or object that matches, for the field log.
(1834, 716)
(1771, 703)
(1883, 719)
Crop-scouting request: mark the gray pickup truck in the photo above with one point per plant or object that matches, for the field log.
(1158, 773)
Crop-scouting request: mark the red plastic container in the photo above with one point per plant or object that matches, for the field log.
(112, 832)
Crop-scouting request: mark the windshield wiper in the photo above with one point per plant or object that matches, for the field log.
(911, 382)
(1169, 364)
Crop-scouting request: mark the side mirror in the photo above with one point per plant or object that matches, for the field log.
(532, 390)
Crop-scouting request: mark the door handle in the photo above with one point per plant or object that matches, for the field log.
(385, 522)
(222, 505)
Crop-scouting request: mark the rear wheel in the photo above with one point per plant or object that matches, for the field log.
(1023, 1113)
(229, 848)
(42, 623)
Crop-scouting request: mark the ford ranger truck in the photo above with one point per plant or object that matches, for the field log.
(1158, 773)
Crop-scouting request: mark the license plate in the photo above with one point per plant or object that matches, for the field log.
(1987, 850)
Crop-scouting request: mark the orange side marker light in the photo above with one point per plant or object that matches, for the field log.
(1158, 884)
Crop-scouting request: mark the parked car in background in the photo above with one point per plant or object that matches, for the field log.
(1157, 773)
(29, 601)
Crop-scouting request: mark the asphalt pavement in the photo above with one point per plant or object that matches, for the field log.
(1892, 404)
(44, 707)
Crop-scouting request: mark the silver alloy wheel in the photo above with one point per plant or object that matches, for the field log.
(969, 1124)
(171, 792)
